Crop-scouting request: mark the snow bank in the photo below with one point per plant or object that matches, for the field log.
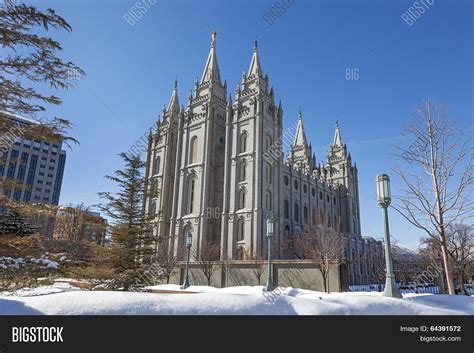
(201, 300)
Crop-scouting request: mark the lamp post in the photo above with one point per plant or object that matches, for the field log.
(384, 199)
(270, 234)
(189, 243)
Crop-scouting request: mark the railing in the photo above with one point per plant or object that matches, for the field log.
(407, 288)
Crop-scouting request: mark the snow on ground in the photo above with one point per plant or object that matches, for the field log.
(57, 300)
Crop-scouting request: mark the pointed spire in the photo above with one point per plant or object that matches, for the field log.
(237, 91)
(300, 136)
(337, 136)
(211, 71)
(174, 101)
(255, 67)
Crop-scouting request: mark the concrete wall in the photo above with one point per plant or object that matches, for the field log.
(297, 274)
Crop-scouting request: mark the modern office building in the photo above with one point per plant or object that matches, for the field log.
(37, 167)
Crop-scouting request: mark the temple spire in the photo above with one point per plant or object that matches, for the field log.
(174, 101)
(300, 136)
(337, 136)
(255, 67)
(211, 71)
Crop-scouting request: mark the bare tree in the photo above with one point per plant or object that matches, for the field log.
(461, 249)
(168, 261)
(437, 175)
(323, 244)
(258, 264)
(208, 259)
(460, 242)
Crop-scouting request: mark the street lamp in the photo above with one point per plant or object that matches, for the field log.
(189, 243)
(383, 199)
(270, 234)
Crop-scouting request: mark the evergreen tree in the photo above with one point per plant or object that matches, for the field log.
(31, 62)
(31, 58)
(132, 236)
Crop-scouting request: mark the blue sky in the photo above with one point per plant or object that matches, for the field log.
(306, 52)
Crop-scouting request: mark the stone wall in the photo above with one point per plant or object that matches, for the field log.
(297, 274)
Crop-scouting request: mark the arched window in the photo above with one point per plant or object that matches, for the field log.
(243, 142)
(193, 150)
(268, 142)
(191, 191)
(297, 212)
(268, 200)
(156, 166)
(268, 172)
(243, 170)
(305, 214)
(314, 216)
(241, 230)
(242, 196)
(287, 209)
(287, 230)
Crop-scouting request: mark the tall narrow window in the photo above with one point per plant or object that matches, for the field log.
(268, 200)
(305, 214)
(241, 230)
(243, 142)
(192, 185)
(153, 208)
(242, 194)
(287, 209)
(193, 150)
(156, 166)
(268, 142)
(268, 172)
(297, 212)
(243, 170)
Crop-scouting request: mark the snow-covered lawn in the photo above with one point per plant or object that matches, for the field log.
(64, 300)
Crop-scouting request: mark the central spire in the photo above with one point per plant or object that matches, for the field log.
(211, 71)
(255, 67)
(174, 101)
(337, 141)
(300, 136)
